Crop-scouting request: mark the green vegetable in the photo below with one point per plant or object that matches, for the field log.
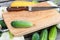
(35, 36)
(21, 24)
(44, 35)
(3, 24)
(53, 33)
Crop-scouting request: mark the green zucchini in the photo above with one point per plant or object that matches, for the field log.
(53, 33)
(35, 36)
(21, 24)
(44, 35)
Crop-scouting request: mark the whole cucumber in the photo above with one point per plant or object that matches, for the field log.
(35, 36)
(53, 33)
(3, 24)
(44, 35)
(21, 24)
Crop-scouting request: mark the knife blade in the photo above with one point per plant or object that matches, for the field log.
(29, 8)
(42, 8)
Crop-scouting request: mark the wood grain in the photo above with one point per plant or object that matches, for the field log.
(40, 19)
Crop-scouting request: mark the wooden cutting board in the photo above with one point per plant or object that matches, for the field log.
(41, 19)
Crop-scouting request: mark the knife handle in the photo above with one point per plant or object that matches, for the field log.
(17, 8)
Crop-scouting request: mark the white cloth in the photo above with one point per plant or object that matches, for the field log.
(6, 36)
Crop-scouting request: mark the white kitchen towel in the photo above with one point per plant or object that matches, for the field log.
(6, 36)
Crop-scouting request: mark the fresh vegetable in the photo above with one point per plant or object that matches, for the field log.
(21, 24)
(53, 33)
(35, 36)
(44, 35)
(3, 24)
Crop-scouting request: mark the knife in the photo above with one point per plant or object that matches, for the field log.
(29, 8)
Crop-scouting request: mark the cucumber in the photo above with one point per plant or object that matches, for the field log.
(2, 23)
(21, 24)
(35, 36)
(44, 35)
(53, 33)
